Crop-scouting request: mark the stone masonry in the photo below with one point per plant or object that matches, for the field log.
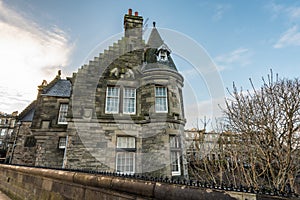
(92, 133)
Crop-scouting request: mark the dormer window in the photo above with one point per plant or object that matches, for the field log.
(162, 53)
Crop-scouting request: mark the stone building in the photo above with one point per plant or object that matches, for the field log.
(201, 144)
(7, 123)
(121, 112)
(22, 149)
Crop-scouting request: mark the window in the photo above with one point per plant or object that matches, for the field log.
(161, 104)
(175, 155)
(30, 141)
(3, 132)
(129, 101)
(63, 111)
(125, 158)
(10, 132)
(162, 56)
(62, 143)
(112, 100)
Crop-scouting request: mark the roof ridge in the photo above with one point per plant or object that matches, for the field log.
(47, 87)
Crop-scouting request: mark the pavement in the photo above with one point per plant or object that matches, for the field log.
(3, 196)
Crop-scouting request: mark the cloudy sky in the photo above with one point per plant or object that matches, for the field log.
(242, 40)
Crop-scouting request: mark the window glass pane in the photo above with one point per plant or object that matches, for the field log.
(174, 161)
(112, 100)
(125, 142)
(174, 142)
(161, 99)
(129, 101)
(63, 111)
(125, 162)
(175, 154)
(62, 143)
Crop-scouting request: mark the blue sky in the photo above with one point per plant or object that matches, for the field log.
(243, 39)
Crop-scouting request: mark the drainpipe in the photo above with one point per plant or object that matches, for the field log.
(15, 142)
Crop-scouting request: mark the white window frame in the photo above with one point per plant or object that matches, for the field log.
(121, 167)
(112, 97)
(62, 142)
(129, 98)
(125, 142)
(158, 98)
(62, 114)
(163, 55)
(175, 154)
(126, 150)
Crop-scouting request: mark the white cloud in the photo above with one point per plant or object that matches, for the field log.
(292, 12)
(289, 38)
(239, 57)
(28, 54)
(219, 11)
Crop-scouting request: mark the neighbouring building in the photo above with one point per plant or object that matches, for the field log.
(201, 144)
(122, 112)
(202, 149)
(7, 124)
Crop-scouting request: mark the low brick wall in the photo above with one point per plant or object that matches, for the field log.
(22, 183)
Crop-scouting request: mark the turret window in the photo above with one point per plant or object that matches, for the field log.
(175, 155)
(161, 103)
(162, 55)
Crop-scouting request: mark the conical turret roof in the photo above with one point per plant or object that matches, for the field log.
(155, 40)
(154, 45)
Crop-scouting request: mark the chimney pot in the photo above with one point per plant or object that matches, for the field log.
(129, 11)
(136, 13)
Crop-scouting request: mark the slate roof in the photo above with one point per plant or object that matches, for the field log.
(27, 114)
(155, 41)
(61, 88)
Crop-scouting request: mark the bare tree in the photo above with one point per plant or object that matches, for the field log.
(260, 141)
(266, 123)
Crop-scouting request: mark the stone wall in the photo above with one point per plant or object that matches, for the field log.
(24, 183)
(92, 132)
(47, 131)
(93, 146)
(25, 149)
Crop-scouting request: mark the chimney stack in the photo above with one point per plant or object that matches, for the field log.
(133, 25)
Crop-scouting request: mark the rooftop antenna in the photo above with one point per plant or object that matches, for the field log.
(145, 25)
